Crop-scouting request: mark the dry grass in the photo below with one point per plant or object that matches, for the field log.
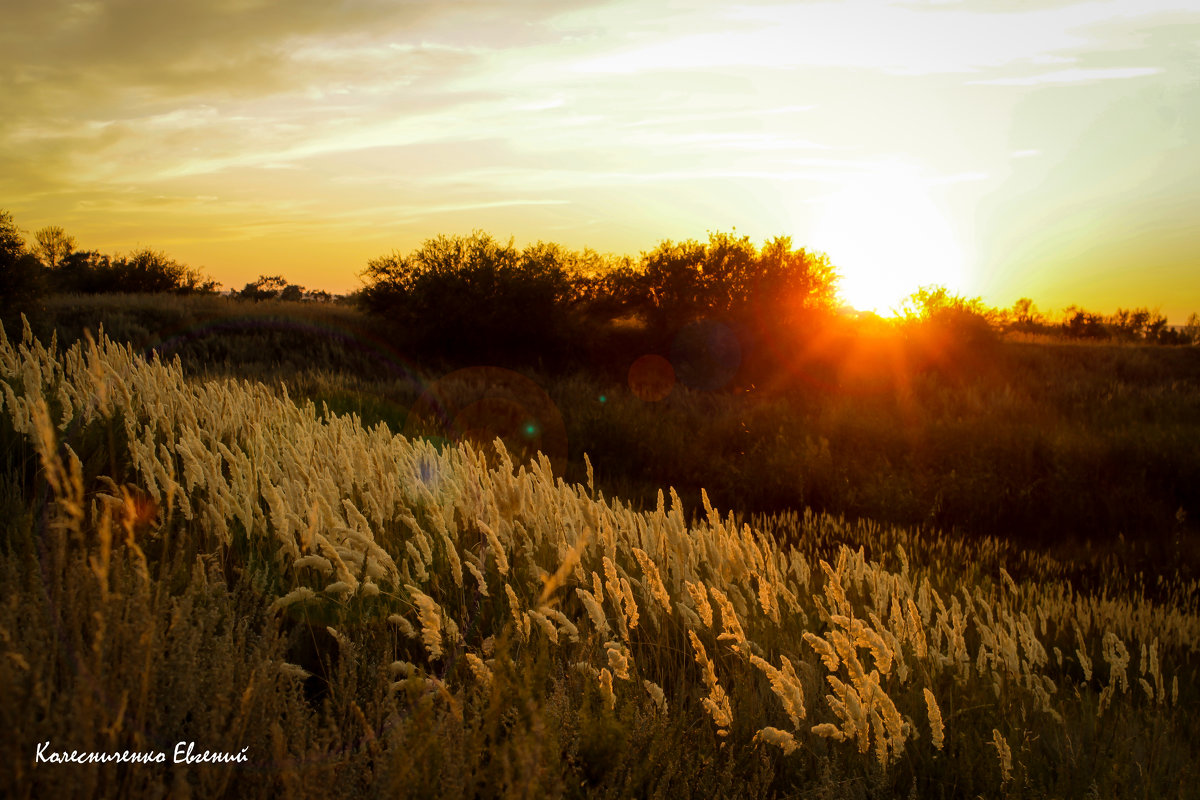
(211, 562)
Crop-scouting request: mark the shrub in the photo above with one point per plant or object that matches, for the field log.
(473, 296)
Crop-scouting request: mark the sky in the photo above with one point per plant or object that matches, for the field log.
(1003, 149)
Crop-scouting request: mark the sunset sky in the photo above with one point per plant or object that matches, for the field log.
(1002, 148)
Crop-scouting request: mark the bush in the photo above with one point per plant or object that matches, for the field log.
(729, 278)
(474, 297)
(144, 271)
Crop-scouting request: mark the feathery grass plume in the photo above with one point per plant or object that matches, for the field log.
(834, 592)
(453, 559)
(1080, 652)
(731, 629)
(1004, 754)
(344, 643)
(430, 617)
(699, 595)
(547, 627)
(297, 595)
(338, 588)
(479, 578)
(1117, 657)
(606, 688)
(479, 669)
(867, 637)
(612, 582)
(629, 603)
(1156, 671)
(824, 649)
(849, 656)
(404, 669)
(653, 579)
(827, 730)
(565, 568)
(293, 671)
(417, 562)
(519, 618)
(785, 685)
(618, 660)
(850, 707)
(936, 727)
(656, 694)
(594, 610)
(766, 600)
(893, 725)
(495, 546)
(717, 702)
(404, 625)
(319, 563)
(690, 618)
(822, 612)
(916, 630)
(781, 739)
(564, 622)
(1008, 581)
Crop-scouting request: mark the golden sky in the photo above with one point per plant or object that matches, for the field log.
(1000, 147)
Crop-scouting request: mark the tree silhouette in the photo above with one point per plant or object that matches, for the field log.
(21, 278)
(267, 287)
(1191, 330)
(12, 245)
(473, 295)
(729, 278)
(53, 245)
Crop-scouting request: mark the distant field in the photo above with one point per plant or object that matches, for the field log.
(1045, 443)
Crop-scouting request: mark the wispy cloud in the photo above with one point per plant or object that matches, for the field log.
(1067, 76)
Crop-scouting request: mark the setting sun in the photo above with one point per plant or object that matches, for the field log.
(888, 237)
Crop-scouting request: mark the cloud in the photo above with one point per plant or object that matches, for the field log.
(340, 116)
(1068, 76)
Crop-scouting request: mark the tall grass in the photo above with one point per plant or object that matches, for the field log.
(210, 561)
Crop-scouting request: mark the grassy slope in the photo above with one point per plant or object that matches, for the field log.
(1061, 444)
(170, 635)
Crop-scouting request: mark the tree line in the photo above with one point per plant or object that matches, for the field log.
(53, 264)
(476, 295)
(463, 294)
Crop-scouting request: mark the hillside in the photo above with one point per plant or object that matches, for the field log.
(208, 560)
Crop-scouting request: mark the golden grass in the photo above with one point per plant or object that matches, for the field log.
(899, 666)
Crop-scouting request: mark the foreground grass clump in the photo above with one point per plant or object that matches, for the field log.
(363, 613)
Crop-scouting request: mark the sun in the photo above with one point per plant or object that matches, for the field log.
(887, 237)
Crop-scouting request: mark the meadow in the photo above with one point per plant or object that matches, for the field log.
(944, 578)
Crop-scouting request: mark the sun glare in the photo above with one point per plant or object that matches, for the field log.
(887, 237)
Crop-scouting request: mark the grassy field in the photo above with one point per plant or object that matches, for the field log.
(932, 578)
(1040, 443)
